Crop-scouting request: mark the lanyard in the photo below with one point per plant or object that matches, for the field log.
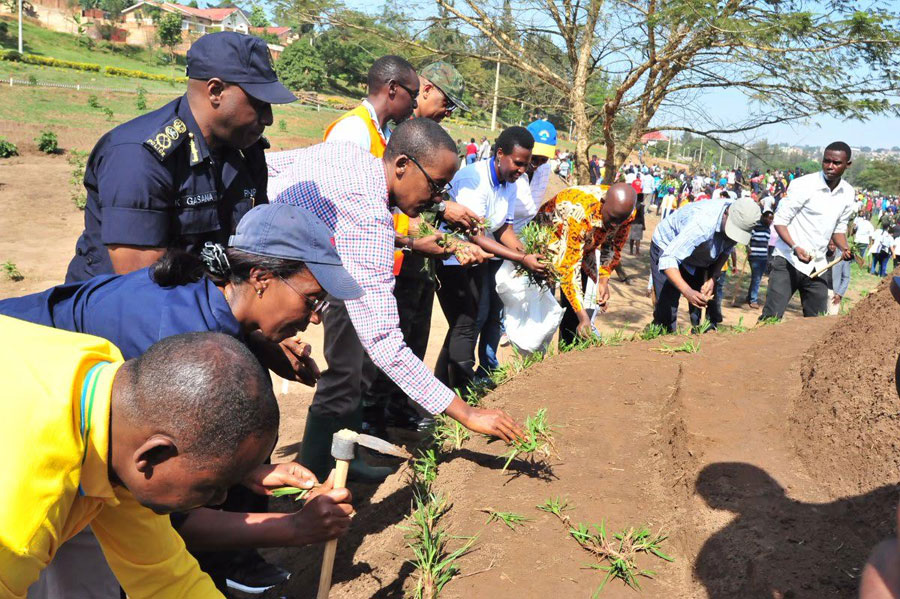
(88, 390)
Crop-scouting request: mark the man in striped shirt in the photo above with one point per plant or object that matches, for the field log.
(759, 255)
(353, 191)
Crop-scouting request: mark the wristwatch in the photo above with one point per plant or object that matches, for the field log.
(440, 207)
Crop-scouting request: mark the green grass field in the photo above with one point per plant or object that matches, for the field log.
(44, 42)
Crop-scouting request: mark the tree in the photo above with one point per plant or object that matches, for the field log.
(258, 16)
(300, 67)
(168, 30)
(791, 60)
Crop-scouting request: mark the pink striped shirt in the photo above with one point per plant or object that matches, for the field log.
(345, 186)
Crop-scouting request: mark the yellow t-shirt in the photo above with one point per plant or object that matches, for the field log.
(54, 436)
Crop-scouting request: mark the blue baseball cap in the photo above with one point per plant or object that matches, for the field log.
(295, 233)
(240, 59)
(544, 134)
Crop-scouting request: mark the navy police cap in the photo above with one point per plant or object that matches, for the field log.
(241, 59)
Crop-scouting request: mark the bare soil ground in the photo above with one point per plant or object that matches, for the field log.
(769, 457)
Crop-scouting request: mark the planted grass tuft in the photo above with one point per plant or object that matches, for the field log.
(538, 440)
(12, 271)
(448, 432)
(652, 331)
(556, 506)
(510, 519)
(688, 347)
(618, 553)
(432, 558)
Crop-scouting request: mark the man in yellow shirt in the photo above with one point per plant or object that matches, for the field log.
(90, 439)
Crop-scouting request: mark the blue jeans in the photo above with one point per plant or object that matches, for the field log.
(471, 158)
(757, 269)
(880, 263)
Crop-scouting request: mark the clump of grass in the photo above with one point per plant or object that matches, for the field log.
(614, 339)
(769, 320)
(739, 327)
(510, 519)
(449, 432)
(652, 331)
(12, 271)
(538, 439)
(536, 239)
(581, 343)
(688, 347)
(618, 553)
(556, 506)
(703, 327)
(424, 468)
(432, 557)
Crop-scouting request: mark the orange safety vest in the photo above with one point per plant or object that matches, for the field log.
(376, 147)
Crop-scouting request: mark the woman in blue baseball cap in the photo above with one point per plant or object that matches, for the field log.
(264, 288)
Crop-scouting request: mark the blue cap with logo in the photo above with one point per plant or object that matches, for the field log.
(295, 233)
(240, 59)
(544, 134)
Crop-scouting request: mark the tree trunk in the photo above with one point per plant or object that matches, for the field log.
(582, 135)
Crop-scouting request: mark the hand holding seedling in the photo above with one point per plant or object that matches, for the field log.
(708, 288)
(431, 245)
(536, 263)
(494, 423)
(265, 478)
(325, 516)
(462, 218)
(468, 253)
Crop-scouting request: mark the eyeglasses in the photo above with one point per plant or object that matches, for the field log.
(316, 306)
(436, 190)
(412, 94)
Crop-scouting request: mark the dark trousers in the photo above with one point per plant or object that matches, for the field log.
(784, 281)
(668, 296)
(414, 292)
(568, 326)
(459, 295)
(490, 320)
(350, 371)
(880, 263)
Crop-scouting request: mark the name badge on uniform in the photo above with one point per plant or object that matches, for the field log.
(197, 199)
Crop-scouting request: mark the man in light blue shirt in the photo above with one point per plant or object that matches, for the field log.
(688, 250)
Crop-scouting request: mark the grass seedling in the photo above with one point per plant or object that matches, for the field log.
(616, 339)
(581, 343)
(425, 468)
(536, 239)
(299, 494)
(739, 327)
(556, 506)
(448, 431)
(429, 542)
(769, 320)
(703, 326)
(12, 271)
(509, 518)
(688, 347)
(619, 551)
(652, 331)
(538, 439)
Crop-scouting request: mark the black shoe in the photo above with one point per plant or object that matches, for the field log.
(252, 574)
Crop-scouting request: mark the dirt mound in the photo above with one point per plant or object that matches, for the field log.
(846, 421)
(697, 445)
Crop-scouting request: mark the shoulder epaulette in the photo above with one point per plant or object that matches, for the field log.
(167, 139)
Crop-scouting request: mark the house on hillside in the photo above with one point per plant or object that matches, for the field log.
(138, 21)
(651, 139)
(284, 35)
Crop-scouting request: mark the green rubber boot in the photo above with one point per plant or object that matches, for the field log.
(316, 451)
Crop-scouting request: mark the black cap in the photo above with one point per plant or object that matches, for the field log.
(240, 59)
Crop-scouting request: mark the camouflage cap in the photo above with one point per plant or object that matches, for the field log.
(446, 78)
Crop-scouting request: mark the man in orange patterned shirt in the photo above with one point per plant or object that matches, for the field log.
(584, 220)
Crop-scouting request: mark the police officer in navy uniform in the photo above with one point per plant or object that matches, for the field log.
(178, 177)
(186, 173)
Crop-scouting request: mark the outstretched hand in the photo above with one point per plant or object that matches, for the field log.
(265, 478)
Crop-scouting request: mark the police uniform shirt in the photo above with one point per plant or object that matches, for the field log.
(153, 182)
(131, 311)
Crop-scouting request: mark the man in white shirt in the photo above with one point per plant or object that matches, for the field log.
(862, 237)
(484, 152)
(816, 209)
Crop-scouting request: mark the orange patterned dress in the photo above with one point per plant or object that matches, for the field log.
(575, 214)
